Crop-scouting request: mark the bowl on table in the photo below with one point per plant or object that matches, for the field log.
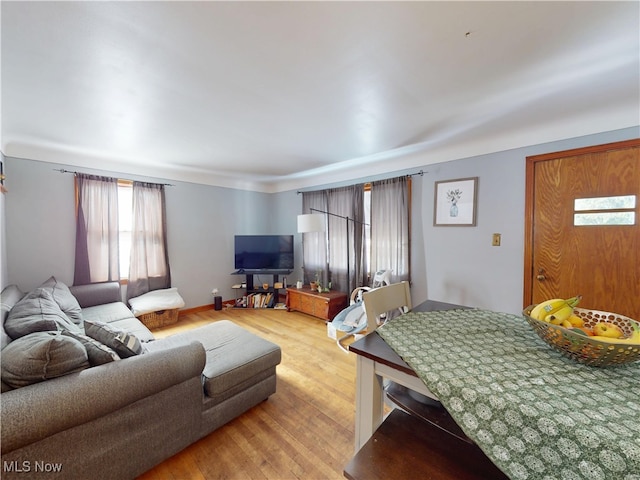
(586, 349)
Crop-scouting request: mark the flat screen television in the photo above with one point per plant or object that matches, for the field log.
(263, 252)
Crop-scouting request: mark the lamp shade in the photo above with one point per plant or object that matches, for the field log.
(311, 222)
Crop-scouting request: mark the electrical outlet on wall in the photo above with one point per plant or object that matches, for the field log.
(495, 241)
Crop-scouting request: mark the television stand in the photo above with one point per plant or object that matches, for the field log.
(258, 296)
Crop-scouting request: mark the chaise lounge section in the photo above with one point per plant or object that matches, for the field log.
(121, 418)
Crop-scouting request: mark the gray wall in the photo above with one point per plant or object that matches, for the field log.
(452, 264)
(202, 221)
(3, 236)
(458, 264)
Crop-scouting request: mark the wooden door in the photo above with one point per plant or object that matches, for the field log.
(562, 259)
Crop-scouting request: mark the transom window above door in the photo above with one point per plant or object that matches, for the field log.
(617, 210)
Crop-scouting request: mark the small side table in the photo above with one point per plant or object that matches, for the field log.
(321, 305)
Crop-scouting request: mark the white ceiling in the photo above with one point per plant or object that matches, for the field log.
(275, 96)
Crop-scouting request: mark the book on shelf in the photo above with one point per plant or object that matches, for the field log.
(259, 300)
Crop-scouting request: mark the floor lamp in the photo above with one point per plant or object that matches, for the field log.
(315, 222)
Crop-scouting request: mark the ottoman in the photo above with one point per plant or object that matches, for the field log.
(239, 373)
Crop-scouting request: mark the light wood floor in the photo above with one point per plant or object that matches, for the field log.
(305, 430)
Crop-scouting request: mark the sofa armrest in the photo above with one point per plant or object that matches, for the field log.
(37, 411)
(94, 294)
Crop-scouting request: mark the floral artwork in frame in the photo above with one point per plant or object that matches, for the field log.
(2, 189)
(455, 202)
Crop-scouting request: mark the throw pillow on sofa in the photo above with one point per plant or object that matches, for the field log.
(10, 295)
(65, 299)
(97, 352)
(125, 344)
(37, 312)
(41, 356)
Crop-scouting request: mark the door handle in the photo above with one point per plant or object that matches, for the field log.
(540, 277)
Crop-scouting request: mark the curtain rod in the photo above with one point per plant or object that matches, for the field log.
(339, 216)
(421, 173)
(62, 170)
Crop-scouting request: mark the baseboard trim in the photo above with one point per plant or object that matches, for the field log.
(201, 308)
(204, 308)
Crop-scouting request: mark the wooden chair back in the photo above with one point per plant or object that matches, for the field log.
(381, 301)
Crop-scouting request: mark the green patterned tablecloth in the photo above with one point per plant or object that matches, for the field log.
(535, 413)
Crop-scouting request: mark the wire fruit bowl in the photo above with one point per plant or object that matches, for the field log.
(586, 349)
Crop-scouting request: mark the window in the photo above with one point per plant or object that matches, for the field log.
(618, 210)
(378, 234)
(367, 230)
(125, 224)
(121, 227)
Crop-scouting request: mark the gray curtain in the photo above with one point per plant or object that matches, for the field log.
(96, 257)
(149, 260)
(325, 253)
(390, 227)
(345, 237)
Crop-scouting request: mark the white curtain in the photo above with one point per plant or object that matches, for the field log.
(314, 244)
(390, 227)
(96, 256)
(149, 260)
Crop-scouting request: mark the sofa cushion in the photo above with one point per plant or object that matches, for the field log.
(236, 357)
(97, 352)
(11, 295)
(107, 313)
(41, 356)
(118, 315)
(65, 300)
(37, 312)
(124, 343)
(99, 293)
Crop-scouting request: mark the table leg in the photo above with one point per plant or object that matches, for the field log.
(369, 401)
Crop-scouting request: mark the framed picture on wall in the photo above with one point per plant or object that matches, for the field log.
(455, 202)
(2, 189)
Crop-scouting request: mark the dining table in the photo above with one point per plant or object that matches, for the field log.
(534, 413)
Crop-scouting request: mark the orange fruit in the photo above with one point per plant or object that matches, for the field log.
(584, 330)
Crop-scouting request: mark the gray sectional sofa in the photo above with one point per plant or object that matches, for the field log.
(88, 392)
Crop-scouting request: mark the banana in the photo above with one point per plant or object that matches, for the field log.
(576, 321)
(634, 339)
(562, 315)
(544, 310)
(535, 312)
